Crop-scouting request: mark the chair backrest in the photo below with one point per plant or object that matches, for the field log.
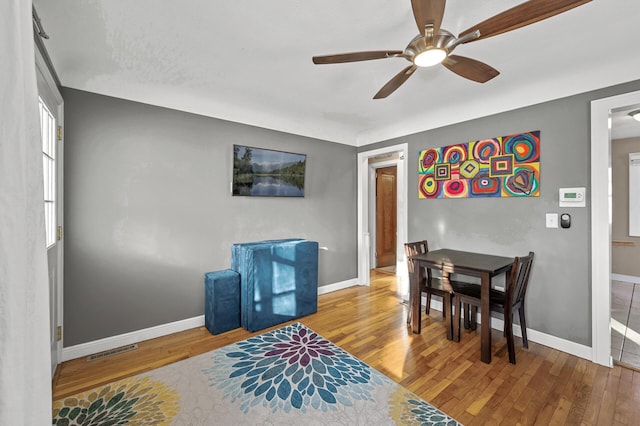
(412, 249)
(519, 279)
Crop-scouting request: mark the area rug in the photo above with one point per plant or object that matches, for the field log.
(289, 376)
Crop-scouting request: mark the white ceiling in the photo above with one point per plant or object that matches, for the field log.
(249, 61)
(623, 126)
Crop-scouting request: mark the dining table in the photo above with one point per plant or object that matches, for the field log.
(480, 265)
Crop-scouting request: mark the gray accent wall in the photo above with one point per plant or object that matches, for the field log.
(559, 295)
(149, 210)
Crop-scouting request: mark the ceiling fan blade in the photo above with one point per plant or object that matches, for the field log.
(519, 16)
(395, 82)
(428, 12)
(356, 56)
(470, 68)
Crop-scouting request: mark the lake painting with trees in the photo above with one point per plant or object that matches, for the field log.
(267, 173)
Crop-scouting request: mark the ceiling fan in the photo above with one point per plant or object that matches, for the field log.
(434, 45)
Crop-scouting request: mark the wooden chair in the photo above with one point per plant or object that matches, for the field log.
(429, 284)
(505, 302)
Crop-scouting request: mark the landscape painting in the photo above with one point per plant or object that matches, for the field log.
(267, 173)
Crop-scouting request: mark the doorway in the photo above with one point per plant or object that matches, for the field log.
(386, 218)
(625, 244)
(366, 207)
(601, 111)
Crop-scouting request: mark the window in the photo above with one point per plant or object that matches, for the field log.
(48, 134)
(634, 190)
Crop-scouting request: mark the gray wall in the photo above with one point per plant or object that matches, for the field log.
(559, 295)
(624, 259)
(148, 210)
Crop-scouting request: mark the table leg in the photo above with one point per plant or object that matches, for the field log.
(446, 307)
(485, 315)
(414, 297)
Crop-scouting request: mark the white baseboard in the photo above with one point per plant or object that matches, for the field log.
(108, 343)
(554, 342)
(625, 278)
(113, 342)
(337, 286)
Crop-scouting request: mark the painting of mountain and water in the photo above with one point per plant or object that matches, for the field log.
(267, 173)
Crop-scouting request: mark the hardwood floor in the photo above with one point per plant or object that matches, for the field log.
(625, 323)
(546, 386)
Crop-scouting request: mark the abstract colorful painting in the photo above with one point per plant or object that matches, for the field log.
(507, 166)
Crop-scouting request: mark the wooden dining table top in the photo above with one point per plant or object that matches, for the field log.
(457, 259)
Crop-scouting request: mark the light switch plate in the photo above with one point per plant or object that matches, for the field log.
(552, 220)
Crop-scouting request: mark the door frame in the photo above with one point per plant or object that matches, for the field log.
(55, 96)
(601, 110)
(366, 172)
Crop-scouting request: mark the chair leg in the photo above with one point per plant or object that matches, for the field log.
(444, 311)
(428, 307)
(447, 316)
(467, 316)
(523, 327)
(473, 315)
(456, 319)
(508, 329)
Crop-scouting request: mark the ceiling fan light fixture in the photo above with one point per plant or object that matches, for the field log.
(635, 114)
(430, 57)
(434, 45)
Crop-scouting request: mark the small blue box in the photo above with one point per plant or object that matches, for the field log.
(221, 301)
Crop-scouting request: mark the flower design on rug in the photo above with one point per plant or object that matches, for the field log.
(292, 368)
(129, 401)
(426, 414)
(407, 408)
(304, 346)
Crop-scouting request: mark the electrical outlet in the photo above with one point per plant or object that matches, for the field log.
(552, 220)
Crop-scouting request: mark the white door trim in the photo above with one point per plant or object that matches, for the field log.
(364, 172)
(600, 222)
(48, 90)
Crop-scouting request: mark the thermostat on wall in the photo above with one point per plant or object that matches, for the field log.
(572, 197)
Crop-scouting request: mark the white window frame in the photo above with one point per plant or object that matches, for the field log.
(48, 127)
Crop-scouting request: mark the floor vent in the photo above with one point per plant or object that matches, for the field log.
(110, 352)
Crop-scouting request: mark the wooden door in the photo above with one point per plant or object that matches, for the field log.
(386, 202)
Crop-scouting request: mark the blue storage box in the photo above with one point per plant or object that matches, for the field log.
(221, 301)
(238, 250)
(278, 280)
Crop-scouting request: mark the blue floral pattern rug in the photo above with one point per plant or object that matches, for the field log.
(287, 376)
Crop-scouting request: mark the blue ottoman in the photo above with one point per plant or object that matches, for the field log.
(239, 251)
(221, 301)
(278, 279)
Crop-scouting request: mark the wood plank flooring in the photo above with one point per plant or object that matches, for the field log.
(546, 386)
(625, 323)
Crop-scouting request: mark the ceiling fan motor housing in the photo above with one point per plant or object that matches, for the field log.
(422, 43)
